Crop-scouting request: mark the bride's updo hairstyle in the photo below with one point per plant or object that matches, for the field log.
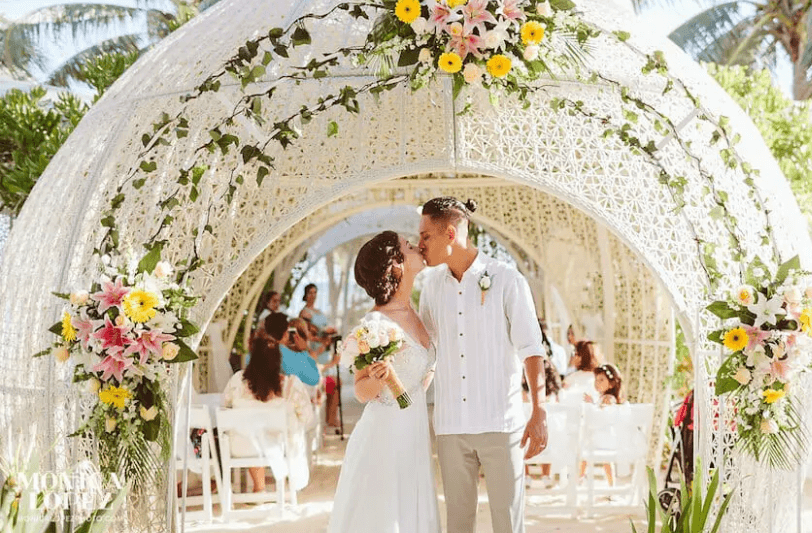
(449, 210)
(374, 266)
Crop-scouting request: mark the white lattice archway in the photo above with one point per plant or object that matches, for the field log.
(400, 134)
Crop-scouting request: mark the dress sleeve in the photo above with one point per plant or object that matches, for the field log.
(520, 311)
(231, 392)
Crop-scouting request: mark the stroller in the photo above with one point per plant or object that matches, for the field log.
(681, 463)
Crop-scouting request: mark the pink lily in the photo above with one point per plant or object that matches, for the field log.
(148, 342)
(84, 327)
(755, 336)
(511, 11)
(111, 295)
(476, 15)
(467, 44)
(113, 366)
(440, 15)
(113, 338)
(781, 370)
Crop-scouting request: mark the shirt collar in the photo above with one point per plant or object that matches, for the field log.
(479, 266)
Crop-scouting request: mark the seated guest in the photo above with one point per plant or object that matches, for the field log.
(262, 384)
(582, 381)
(609, 386)
(297, 363)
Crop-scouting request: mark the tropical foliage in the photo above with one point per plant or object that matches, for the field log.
(786, 126)
(106, 27)
(753, 34)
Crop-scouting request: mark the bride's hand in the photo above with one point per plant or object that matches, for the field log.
(380, 370)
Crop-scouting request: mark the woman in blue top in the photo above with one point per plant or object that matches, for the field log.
(313, 315)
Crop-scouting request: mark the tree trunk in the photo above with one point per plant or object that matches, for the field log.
(801, 85)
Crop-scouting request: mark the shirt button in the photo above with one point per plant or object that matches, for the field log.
(460, 293)
(462, 355)
(463, 399)
(460, 312)
(463, 377)
(460, 334)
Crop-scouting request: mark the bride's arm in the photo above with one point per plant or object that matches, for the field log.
(370, 381)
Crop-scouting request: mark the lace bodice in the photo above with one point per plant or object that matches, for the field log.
(411, 364)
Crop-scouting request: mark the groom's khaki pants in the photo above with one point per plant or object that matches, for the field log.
(502, 461)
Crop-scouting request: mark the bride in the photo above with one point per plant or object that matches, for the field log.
(387, 479)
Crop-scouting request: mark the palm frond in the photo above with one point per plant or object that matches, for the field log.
(702, 30)
(72, 68)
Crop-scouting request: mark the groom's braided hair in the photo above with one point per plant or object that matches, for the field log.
(449, 209)
(374, 270)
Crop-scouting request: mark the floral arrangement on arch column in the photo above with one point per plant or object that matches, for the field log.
(119, 338)
(770, 349)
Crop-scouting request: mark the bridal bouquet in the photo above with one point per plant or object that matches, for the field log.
(120, 336)
(372, 341)
(770, 345)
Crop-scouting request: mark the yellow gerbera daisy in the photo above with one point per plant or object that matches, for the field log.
(140, 305)
(736, 339)
(116, 396)
(806, 321)
(407, 10)
(68, 331)
(456, 3)
(532, 32)
(450, 62)
(772, 395)
(499, 66)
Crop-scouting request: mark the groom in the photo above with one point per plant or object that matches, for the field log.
(480, 313)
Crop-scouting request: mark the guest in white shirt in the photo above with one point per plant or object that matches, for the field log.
(481, 316)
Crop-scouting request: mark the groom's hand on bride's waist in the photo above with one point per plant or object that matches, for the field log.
(535, 433)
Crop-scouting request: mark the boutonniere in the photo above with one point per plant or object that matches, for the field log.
(484, 284)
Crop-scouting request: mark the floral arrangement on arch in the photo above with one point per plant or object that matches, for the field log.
(770, 348)
(120, 336)
(495, 43)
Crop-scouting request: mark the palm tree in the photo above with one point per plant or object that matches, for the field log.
(751, 33)
(106, 27)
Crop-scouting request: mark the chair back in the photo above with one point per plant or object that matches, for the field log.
(563, 426)
(265, 427)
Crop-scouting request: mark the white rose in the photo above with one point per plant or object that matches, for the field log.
(485, 283)
(170, 351)
(792, 296)
(79, 298)
(162, 270)
(425, 55)
(62, 354)
(109, 424)
(92, 385)
(454, 29)
(148, 414)
(743, 376)
(531, 53)
(419, 25)
(544, 9)
(373, 339)
(745, 295)
(472, 73)
(492, 39)
(395, 334)
(769, 426)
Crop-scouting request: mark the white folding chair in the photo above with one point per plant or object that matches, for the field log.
(207, 464)
(265, 428)
(561, 453)
(617, 434)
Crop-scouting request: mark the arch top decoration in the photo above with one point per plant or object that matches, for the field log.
(396, 134)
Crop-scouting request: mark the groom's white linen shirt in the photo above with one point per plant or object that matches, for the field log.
(480, 347)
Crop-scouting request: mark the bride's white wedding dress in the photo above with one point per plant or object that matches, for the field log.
(387, 479)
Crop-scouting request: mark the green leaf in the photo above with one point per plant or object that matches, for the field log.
(724, 380)
(622, 36)
(332, 128)
(185, 354)
(300, 36)
(56, 329)
(261, 173)
(785, 268)
(717, 336)
(61, 295)
(459, 83)
(42, 353)
(187, 328)
(562, 5)
(749, 275)
(722, 310)
(148, 166)
(153, 256)
(275, 33)
(408, 57)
